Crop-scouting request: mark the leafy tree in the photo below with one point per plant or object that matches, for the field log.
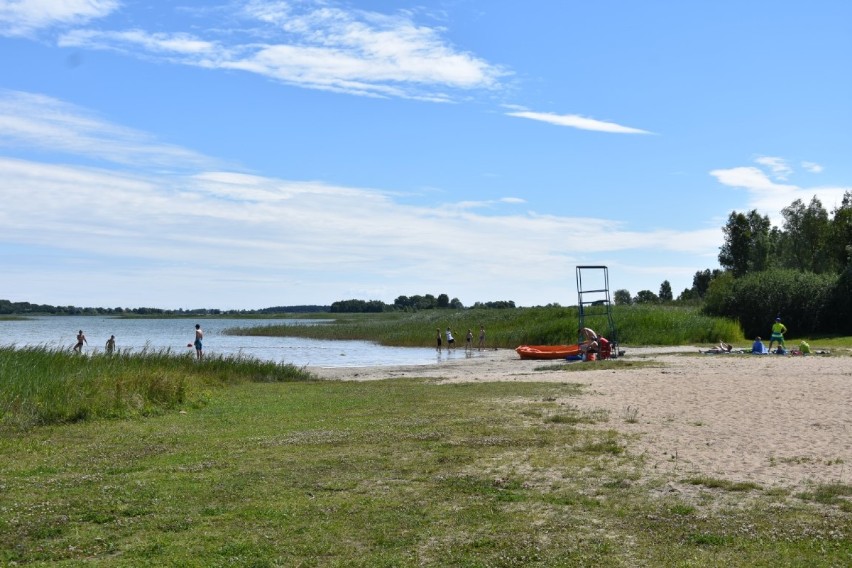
(840, 243)
(748, 243)
(666, 291)
(646, 297)
(806, 234)
(443, 301)
(701, 280)
(688, 295)
(455, 304)
(622, 297)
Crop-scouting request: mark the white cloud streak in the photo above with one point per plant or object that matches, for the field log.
(26, 17)
(45, 123)
(579, 122)
(315, 45)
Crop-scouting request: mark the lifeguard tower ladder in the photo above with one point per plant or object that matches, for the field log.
(594, 306)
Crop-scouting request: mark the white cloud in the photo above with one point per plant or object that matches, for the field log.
(38, 121)
(252, 227)
(315, 45)
(256, 238)
(24, 17)
(769, 197)
(576, 121)
(779, 167)
(812, 167)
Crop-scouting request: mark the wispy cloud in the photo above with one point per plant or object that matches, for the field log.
(25, 17)
(39, 122)
(577, 121)
(778, 167)
(317, 45)
(812, 167)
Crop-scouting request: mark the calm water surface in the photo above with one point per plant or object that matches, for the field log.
(137, 334)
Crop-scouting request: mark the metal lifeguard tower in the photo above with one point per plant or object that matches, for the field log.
(594, 305)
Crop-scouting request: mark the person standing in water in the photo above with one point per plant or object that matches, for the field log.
(451, 342)
(81, 339)
(110, 345)
(199, 335)
(481, 336)
(439, 339)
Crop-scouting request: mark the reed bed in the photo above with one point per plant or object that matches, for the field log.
(635, 325)
(40, 385)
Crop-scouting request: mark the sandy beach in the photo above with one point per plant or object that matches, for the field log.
(778, 421)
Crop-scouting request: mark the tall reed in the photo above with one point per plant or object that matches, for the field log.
(635, 325)
(39, 385)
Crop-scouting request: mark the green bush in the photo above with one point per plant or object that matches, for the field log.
(802, 299)
(838, 315)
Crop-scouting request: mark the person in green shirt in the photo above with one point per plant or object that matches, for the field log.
(778, 331)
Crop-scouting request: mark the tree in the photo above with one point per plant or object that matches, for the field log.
(687, 295)
(806, 234)
(646, 297)
(443, 301)
(666, 291)
(840, 243)
(701, 280)
(748, 243)
(622, 297)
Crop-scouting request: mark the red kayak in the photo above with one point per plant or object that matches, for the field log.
(547, 351)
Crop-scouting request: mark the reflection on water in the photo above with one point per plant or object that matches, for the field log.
(174, 334)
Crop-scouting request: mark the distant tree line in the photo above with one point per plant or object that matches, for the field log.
(26, 308)
(402, 303)
(413, 303)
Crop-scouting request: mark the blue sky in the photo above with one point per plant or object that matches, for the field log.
(246, 153)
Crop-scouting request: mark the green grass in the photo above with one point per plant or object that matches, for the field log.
(385, 473)
(636, 325)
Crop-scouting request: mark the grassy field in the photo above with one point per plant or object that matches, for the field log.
(155, 459)
(636, 325)
(386, 473)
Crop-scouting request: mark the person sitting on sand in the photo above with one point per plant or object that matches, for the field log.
(589, 341)
(758, 347)
(804, 348)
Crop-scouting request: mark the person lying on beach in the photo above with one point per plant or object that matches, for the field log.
(721, 348)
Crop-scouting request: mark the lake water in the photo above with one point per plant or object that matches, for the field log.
(137, 334)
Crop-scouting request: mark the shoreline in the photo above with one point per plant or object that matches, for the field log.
(777, 421)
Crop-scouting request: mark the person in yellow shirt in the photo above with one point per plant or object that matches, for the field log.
(778, 331)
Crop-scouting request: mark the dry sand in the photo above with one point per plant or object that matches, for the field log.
(779, 421)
